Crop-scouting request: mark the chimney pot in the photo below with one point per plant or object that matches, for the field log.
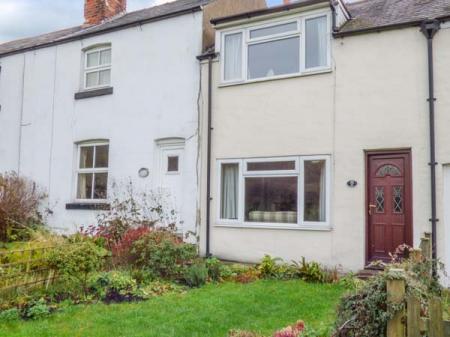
(96, 11)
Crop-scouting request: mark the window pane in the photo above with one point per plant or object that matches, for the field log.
(105, 77)
(86, 157)
(172, 164)
(316, 42)
(271, 166)
(233, 56)
(92, 79)
(105, 57)
(274, 58)
(271, 199)
(287, 27)
(84, 188)
(315, 190)
(101, 156)
(101, 185)
(230, 191)
(93, 59)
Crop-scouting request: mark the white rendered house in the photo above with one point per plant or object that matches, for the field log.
(320, 132)
(107, 102)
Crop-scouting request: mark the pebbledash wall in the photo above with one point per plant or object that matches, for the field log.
(374, 97)
(155, 97)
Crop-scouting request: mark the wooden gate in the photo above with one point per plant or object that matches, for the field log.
(408, 322)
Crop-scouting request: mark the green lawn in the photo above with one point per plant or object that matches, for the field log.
(207, 312)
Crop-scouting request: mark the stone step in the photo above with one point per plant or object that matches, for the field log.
(366, 274)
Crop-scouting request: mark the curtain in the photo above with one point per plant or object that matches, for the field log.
(230, 175)
(316, 42)
(233, 56)
(323, 193)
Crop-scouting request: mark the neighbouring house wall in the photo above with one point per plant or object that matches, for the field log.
(155, 76)
(221, 8)
(374, 98)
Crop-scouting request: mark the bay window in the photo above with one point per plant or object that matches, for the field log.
(92, 171)
(292, 47)
(277, 192)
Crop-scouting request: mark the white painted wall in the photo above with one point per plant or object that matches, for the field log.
(155, 76)
(374, 98)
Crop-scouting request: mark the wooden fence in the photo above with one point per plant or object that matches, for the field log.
(409, 322)
(24, 268)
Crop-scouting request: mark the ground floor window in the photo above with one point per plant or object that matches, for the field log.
(92, 171)
(290, 191)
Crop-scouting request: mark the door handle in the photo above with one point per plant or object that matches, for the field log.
(370, 208)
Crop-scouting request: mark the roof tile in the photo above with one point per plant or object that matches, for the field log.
(147, 14)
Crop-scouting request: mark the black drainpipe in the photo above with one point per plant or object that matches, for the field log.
(209, 57)
(208, 164)
(429, 29)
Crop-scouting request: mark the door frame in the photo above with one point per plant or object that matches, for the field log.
(409, 228)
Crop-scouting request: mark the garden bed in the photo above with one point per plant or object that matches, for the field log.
(210, 311)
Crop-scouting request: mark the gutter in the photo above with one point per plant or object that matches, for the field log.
(429, 28)
(208, 56)
(266, 11)
(415, 23)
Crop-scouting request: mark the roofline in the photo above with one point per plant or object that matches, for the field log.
(394, 26)
(266, 11)
(107, 30)
(206, 56)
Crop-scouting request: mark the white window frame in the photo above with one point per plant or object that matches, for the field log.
(247, 41)
(99, 68)
(79, 170)
(298, 172)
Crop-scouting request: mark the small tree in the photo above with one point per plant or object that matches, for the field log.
(19, 204)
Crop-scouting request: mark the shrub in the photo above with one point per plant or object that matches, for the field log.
(116, 286)
(143, 276)
(310, 271)
(351, 282)
(163, 253)
(19, 203)
(274, 268)
(226, 272)
(215, 268)
(121, 250)
(196, 275)
(77, 260)
(10, 315)
(158, 288)
(366, 311)
(129, 210)
(248, 276)
(36, 310)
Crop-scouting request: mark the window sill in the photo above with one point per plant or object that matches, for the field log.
(276, 78)
(94, 93)
(319, 228)
(94, 206)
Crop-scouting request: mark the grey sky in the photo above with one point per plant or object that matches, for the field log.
(23, 18)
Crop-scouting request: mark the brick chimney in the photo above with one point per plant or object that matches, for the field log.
(286, 2)
(96, 11)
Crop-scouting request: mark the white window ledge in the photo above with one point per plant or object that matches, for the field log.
(275, 78)
(319, 228)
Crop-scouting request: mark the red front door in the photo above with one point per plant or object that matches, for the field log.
(389, 203)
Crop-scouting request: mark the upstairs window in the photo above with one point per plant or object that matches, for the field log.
(293, 47)
(97, 67)
(92, 172)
